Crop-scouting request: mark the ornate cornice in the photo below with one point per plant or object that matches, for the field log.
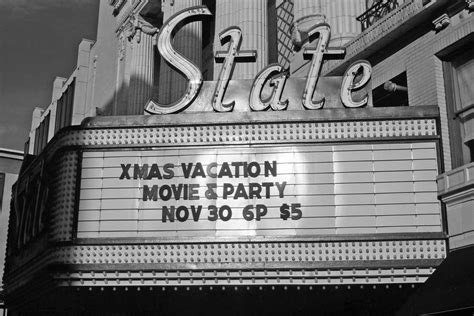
(126, 19)
(137, 25)
(118, 5)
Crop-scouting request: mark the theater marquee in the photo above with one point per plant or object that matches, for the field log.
(261, 190)
(243, 184)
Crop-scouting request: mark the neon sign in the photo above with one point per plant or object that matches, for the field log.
(356, 77)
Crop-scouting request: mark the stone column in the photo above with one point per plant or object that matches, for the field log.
(307, 14)
(187, 41)
(341, 16)
(304, 8)
(141, 72)
(251, 17)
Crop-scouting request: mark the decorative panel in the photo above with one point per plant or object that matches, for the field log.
(252, 133)
(62, 196)
(297, 254)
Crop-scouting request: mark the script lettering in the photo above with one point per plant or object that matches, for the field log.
(233, 35)
(362, 69)
(182, 64)
(317, 55)
(277, 77)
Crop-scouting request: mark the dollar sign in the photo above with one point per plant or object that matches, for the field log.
(284, 211)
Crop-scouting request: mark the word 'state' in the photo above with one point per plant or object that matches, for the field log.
(357, 76)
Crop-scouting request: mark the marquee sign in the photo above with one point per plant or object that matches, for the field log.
(259, 190)
(269, 81)
(249, 189)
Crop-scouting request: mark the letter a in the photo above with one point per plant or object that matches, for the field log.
(277, 77)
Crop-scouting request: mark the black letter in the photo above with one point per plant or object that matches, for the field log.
(154, 172)
(255, 173)
(150, 194)
(272, 169)
(209, 171)
(167, 214)
(187, 169)
(125, 171)
(168, 171)
(140, 173)
(182, 213)
(165, 192)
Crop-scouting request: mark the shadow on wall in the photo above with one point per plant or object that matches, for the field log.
(169, 84)
(120, 104)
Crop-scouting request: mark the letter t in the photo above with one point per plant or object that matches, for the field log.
(233, 35)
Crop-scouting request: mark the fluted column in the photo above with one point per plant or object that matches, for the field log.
(304, 8)
(341, 16)
(187, 41)
(251, 17)
(142, 64)
(307, 14)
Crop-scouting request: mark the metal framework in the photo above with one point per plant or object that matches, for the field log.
(377, 11)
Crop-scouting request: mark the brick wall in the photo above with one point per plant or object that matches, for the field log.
(424, 69)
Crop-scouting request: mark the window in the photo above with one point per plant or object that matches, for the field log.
(459, 79)
(392, 93)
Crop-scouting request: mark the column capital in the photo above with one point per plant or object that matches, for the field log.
(136, 25)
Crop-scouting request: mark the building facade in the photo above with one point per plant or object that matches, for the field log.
(10, 163)
(273, 156)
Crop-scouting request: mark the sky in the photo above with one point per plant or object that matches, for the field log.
(38, 42)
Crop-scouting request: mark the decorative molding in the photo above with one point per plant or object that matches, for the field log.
(251, 133)
(124, 20)
(441, 22)
(356, 254)
(122, 48)
(62, 201)
(239, 263)
(470, 5)
(137, 25)
(118, 5)
(240, 277)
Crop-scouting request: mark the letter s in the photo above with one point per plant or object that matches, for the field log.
(182, 64)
